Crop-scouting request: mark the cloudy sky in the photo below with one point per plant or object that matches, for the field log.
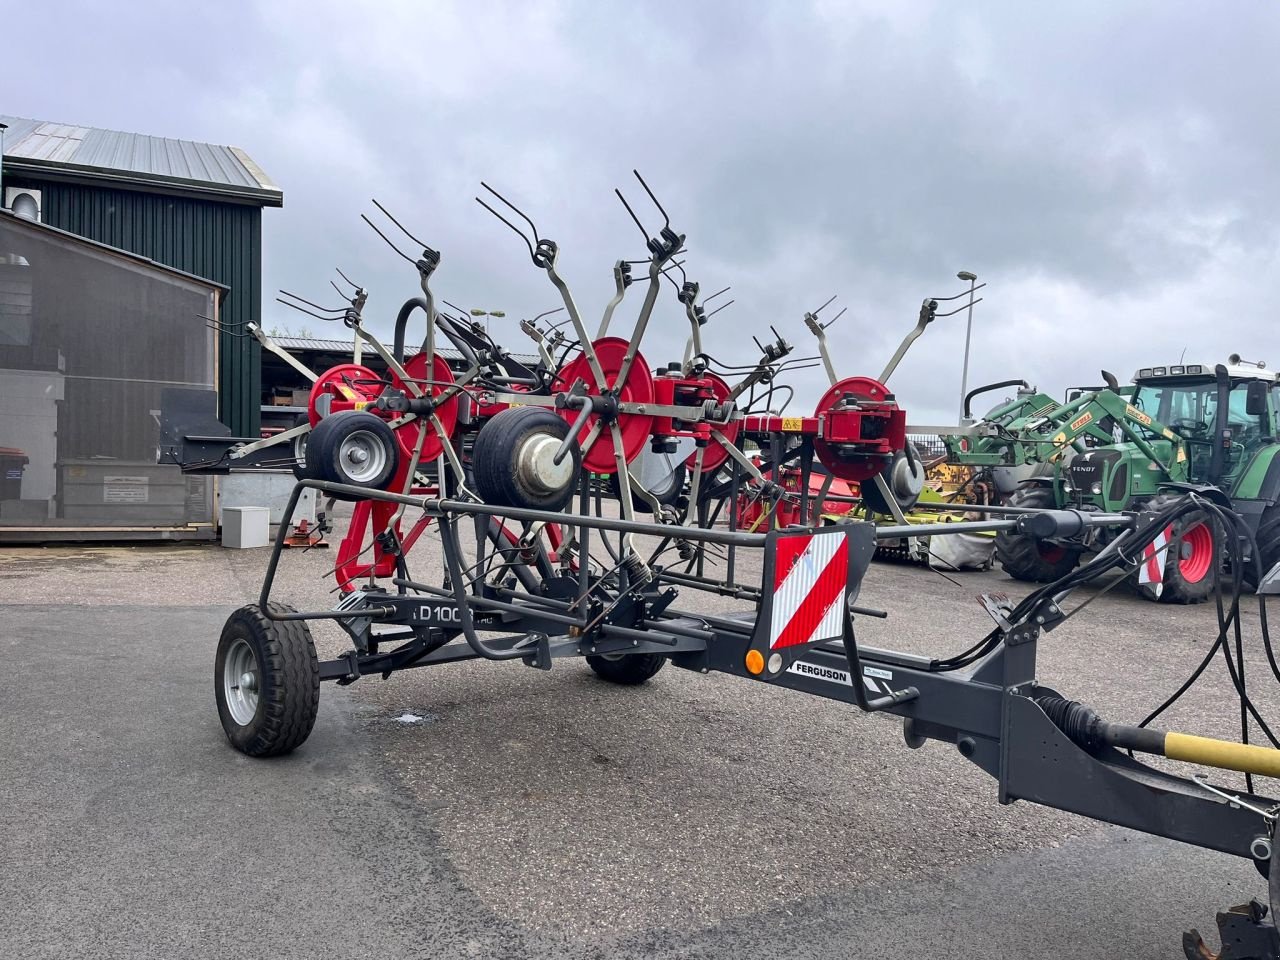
(1107, 168)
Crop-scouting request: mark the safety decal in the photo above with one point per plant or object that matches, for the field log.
(810, 576)
(1151, 573)
(1081, 420)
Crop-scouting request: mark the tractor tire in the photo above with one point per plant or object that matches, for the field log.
(511, 460)
(1025, 558)
(266, 681)
(627, 670)
(353, 448)
(1268, 539)
(1195, 549)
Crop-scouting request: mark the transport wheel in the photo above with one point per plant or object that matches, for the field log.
(905, 479)
(1029, 559)
(355, 448)
(1193, 553)
(627, 670)
(266, 680)
(667, 492)
(512, 460)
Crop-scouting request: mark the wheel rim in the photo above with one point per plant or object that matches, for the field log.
(1051, 552)
(362, 456)
(240, 676)
(1195, 557)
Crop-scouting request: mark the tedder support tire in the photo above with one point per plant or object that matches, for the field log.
(1268, 539)
(1194, 550)
(627, 670)
(355, 448)
(512, 460)
(266, 680)
(1024, 557)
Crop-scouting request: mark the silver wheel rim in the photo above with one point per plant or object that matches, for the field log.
(240, 677)
(362, 456)
(300, 448)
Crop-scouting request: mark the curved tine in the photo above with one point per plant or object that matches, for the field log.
(517, 230)
(453, 305)
(388, 215)
(338, 288)
(719, 308)
(643, 232)
(318, 316)
(346, 278)
(959, 309)
(666, 218)
(706, 300)
(219, 327)
(843, 311)
(315, 305)
(385, 240)
(546, 313)
(825, 305)
(519, 213)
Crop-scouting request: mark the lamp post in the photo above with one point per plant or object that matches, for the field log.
(968, 332)
(487, 313)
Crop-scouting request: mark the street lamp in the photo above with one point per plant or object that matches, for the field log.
(475, 312)
(968, 332)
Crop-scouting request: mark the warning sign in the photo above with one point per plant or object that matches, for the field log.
(116, 489)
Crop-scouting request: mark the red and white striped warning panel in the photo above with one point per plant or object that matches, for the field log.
(1151, 573)
(810, 577)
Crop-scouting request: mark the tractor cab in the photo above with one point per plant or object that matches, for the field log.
(1221, 421)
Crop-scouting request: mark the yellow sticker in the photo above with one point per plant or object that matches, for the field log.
(792, 424)
(1182, 455)
(361, 404)
(1170, 435)
(1059, 439)
(1081, 420)
(1137, 415)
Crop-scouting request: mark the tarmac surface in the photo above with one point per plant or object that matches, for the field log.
(492, 810)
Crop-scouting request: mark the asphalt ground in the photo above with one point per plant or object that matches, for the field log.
(529, 813)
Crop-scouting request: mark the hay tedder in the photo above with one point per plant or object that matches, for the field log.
(578, 502)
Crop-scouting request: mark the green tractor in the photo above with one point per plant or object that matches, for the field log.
(1205, 428)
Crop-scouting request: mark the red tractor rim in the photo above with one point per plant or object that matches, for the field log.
(1195, 559)
(1051, 552)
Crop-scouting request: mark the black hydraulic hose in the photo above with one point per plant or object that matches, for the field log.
(452, 550)
(402, 322)
(1224, 397)
(968, 397)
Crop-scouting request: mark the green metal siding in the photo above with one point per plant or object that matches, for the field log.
(221, 242)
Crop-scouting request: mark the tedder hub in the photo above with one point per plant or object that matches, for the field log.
(534, 475)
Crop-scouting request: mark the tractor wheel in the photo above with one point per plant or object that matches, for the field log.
(627, 670)
(1026, 558)
(266, 681)
(354, 448)
(1268, 538)
(512, 460)
(1194, 551)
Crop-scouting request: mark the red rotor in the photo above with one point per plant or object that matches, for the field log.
(862, 443)
(634, 427)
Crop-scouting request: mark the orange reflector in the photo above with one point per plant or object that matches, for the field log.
(755, 662)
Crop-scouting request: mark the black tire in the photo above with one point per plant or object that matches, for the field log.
(299, 465)
(628, 670)
(1025, 558)
(872, 497)
(283, 707)
(332, 441)
(1186, 578)
(503, 445)
(1268, 539)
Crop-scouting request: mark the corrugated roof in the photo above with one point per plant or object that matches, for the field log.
(136, 158)
(344, 346)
